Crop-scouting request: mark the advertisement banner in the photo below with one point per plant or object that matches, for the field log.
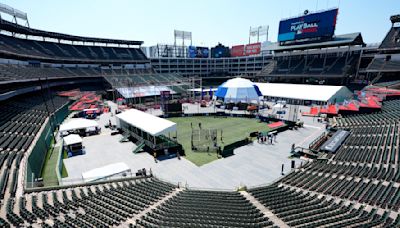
(253, 49)
(220, 51)
(202, 52)
(237, 50)
(198, 52)
(192, 52)
(308, 26)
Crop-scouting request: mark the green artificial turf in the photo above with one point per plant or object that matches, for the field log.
(233, 129)
(49, 174)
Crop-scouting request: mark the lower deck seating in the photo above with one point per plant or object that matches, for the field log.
(300, 209)
(206, 209)
(21, 119)
(99, 205)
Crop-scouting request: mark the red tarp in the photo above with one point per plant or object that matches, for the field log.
(370, 102)
(88, 100)
(384, 91)
(276, 124)
(313, 112)
(331, 109)
(349, 107)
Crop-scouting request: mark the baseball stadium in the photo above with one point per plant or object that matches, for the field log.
(298, 130)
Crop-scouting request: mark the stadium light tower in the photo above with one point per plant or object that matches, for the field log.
(395, 19)
(182, 35)
(14, 13)
(259, 31)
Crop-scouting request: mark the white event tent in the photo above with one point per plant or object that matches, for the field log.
(303, 92)
(146, 122)
(72, 139)
(77, 124)
(105, 172)
(238, 90)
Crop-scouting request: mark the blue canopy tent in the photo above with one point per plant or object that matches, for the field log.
(238, 90)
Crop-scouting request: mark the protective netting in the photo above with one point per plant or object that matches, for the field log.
(204, 140)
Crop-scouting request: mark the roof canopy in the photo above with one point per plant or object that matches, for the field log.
(237, 90)
(340, 40)
(12, 27)
(105, 171)
(78, 123)
(72, 139)
(202, 89)
(143, 91)
(13, 12)
(146, 122)
(304, 92)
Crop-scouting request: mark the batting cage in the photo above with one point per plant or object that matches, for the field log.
(204, 140)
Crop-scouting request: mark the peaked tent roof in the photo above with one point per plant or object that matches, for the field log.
(105, 171)
(238, 83)
(72, 139)
(78, 123)
(146, 122)
(301, 91)
(238, 89)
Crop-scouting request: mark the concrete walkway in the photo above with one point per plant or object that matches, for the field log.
(252, 165)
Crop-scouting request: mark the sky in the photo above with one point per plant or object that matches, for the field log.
(210, 21)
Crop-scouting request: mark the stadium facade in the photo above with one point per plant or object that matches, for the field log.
(340, 61)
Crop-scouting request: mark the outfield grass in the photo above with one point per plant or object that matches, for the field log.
(64, 172)
(49, 174)
(234, 129)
